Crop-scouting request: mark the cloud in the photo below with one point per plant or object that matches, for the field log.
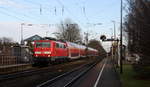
(9, 30)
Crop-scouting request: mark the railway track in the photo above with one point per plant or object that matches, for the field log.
(68, 78)
(20, 74)
(33, 71)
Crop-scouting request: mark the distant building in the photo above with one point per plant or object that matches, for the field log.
(32, 38)
(24, 51)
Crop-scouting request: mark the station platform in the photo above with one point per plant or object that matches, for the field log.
(14, 65)
(102, 75)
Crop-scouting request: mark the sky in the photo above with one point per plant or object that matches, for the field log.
(45, 15)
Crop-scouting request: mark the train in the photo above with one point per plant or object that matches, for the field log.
(51, 51)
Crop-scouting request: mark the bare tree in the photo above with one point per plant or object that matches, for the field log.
(69, 31)
(6, 40)
(97, 45)
(137, 25)
(5, 45)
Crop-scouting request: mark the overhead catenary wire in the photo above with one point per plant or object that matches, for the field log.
(19, 18)
(63, 9)
(39, 5)
(85, 1)
(4, 13)
(41, 8)
(23, 15)
(69, 12)
(83, 9)
(54, 9)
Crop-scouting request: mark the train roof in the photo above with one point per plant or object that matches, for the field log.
(80, 46)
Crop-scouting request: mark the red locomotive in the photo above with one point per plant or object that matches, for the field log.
(46, 51)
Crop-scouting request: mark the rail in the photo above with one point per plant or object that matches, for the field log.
(68, 78)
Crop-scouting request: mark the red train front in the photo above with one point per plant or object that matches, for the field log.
(46, 51)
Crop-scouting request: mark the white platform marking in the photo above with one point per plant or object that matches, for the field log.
(96, 83)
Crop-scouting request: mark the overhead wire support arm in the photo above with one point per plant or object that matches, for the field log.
(40, 9)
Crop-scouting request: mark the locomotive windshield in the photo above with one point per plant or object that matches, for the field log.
(42, 44)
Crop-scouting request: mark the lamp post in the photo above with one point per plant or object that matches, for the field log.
(47, 33)
(22, 24)
(112, 37)
(22, 33)
(114, 44)
(114, 29)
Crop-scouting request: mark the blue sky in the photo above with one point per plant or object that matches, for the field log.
(83, 12)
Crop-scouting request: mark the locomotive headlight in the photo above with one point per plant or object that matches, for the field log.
(36, 55)
(37, 52)
(47, 52)
(49, 55)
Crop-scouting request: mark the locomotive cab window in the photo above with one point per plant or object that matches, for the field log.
(63, 46)
(42, 44)
(60, 46)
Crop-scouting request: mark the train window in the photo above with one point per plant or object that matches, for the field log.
(57, 45)
(61, 46)
(64, 46)
(42, 44)
(46, 44)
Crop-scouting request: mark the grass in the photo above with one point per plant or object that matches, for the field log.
(128, 78)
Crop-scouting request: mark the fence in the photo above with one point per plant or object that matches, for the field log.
(13, 63)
